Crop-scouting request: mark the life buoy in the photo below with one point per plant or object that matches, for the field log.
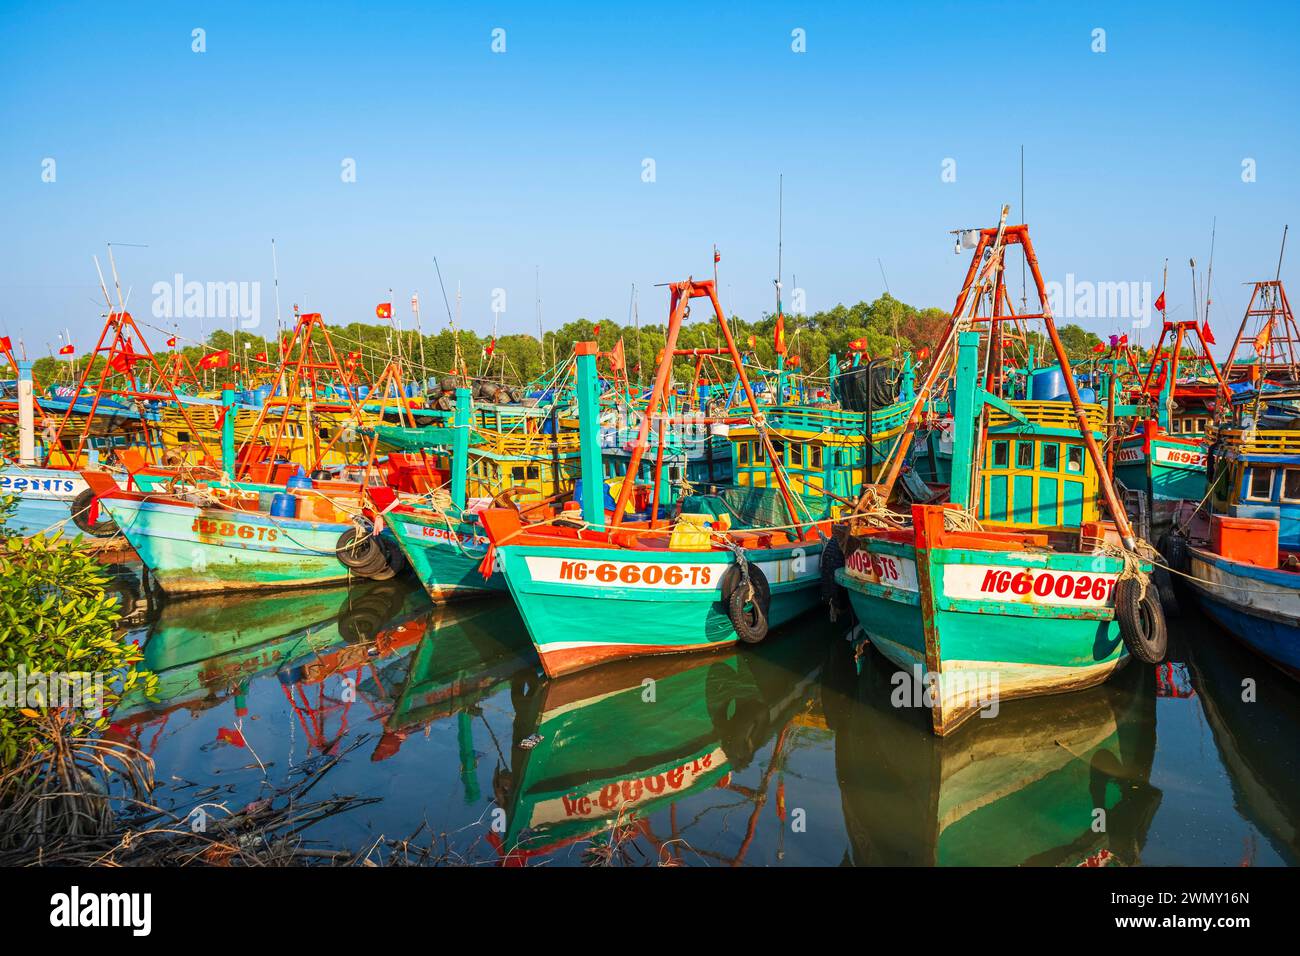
(82, 507)
(747, 606)
(1141, 620)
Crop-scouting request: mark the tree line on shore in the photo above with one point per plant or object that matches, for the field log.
(884, 327)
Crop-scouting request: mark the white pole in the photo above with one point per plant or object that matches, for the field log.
(26, 415)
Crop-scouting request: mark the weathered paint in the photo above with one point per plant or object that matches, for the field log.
(444, 554)
(584, 606)
(192, 549)
(962, 624)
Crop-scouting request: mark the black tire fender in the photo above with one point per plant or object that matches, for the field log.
(747, 607)
(1141, 620)
(105, 527)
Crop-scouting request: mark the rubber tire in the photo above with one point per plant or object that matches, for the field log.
(748, 618)
(834, 594)
(354, 554)
(1175, 551)
(1141, 620)
(103, 528)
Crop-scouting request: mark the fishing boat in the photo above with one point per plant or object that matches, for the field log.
(241, 529)
(1014, 587)
(1163, 456)
(1243, 566)
(594, 587)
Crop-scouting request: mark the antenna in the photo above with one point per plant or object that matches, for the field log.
(1280, 253)
(275, 273)
(883, 277)
(1209, 275)
(1024, 295)
(780, 231)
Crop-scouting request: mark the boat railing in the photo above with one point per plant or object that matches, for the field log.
(1262, 441)
(1050, 415)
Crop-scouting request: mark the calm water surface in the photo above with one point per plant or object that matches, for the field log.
(789, 753)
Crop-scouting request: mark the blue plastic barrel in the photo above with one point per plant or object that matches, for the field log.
(1046, 384)
(1088, 395)
(284, 505)
(298, 481)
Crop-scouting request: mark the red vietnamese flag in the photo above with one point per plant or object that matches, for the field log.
(1206, 334)
(491, 347)
(68, 349)
(216, 360)
(384, 310)
(779, 340)
(753, 341)
(1160, 302)
(5, 344)
(259, 357)
(923, 354)
(595, 331)
(717, 256)
(171, 342)
(1099, 347)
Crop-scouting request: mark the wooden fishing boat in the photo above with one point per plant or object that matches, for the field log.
(603, 588)
(1244, 568)
(1163, 455)
(1043, 599)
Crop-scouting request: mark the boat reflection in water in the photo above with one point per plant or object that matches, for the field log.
(1019, 788)
(1253, 711)
(598, 752)
(206, 650)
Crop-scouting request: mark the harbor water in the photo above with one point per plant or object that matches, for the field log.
(791, 752)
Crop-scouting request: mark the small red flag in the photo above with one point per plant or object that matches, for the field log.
(779, 340)
(858, 345)
(717, 256)
(216, 360)
(923, 354)
(259, 357)
(595, 330)
(1160, 302)
(753, 341)
(384, 310)
(5, 344)
(491, 347)
(68, 349)
(1206, 334)
(1099, 347)
(171, 342)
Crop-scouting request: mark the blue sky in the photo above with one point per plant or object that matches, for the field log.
(502, 163)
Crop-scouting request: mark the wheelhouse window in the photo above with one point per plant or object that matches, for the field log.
(1074, 459)
(1024, 454)
(1000, 454)
(1051, 456)
(742, 452)
(816, 456)
(796, 454)
(759, 452)
(1291, 484)
(1260, 487)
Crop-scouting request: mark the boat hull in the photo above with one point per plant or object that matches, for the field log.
(445, 555)
(585, 606)
(954, 617)
(1258, 606)
(1167, 472)
(44, 497)
(191, 550)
